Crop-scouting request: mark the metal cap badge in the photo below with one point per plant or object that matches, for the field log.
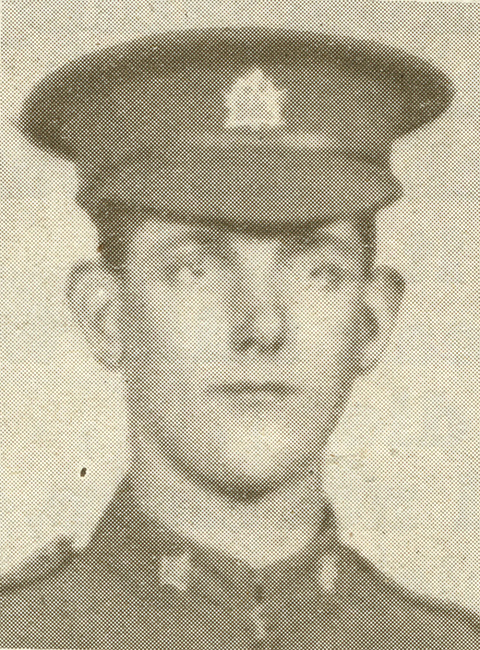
(254, 102)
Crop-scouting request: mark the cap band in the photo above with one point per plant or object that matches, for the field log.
(277, 186)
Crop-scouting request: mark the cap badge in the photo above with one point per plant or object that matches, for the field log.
(253, 101)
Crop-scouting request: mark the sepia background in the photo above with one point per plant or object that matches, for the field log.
(403, 469)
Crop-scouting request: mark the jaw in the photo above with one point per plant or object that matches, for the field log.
(244, 485)
(242, 464)
(173, 488)
(243, 523)
(240, 452)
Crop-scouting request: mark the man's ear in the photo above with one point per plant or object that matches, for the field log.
(94, 297)
(382, 301)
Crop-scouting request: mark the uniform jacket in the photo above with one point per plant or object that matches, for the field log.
(137, 585)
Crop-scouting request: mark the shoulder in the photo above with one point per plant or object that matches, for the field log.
(22, 598)
(384, 610)
(44, 562)
(44, 601)
(100, 596)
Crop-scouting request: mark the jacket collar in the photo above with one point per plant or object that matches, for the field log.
(154, 558)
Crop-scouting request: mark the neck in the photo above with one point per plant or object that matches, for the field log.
(258, 532)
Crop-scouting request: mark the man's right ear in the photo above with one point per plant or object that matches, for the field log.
(94, 297)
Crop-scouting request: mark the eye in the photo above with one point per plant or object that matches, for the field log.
(182, 270)
(327, 275)
(191, 267)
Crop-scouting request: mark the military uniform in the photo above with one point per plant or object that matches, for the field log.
(138, 585)
(250, 128)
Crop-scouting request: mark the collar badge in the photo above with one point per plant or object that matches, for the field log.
(254, 101)
(175, 570)
(328, 573)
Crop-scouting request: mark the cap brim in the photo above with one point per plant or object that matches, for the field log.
(274, 189)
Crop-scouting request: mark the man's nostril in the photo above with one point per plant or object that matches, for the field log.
(263, 329)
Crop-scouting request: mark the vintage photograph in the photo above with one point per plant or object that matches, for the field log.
(240, 322)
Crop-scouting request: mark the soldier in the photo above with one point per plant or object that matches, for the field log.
(234, 177)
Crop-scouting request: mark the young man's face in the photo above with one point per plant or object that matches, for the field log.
(239, 351)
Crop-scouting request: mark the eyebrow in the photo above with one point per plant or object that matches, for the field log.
(322, 238)
(197, 234)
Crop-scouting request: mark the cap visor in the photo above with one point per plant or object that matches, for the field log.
(274, 189)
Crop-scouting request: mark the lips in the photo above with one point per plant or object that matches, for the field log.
(245, 388)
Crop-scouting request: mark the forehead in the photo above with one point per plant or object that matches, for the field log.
(153, 231)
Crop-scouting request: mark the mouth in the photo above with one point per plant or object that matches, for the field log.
(255, 391)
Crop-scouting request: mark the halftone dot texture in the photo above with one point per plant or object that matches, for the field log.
(138, 585)
(149, 133)
(152, 124)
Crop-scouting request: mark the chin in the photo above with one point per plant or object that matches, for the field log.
(246, 481)
(245, 454)
(245, 487)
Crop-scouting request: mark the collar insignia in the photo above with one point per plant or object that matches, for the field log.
(328, 572)
(175, 570)
(253, 101)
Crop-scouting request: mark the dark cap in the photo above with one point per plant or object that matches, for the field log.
(277, 125)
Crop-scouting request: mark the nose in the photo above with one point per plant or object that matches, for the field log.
(260, 321)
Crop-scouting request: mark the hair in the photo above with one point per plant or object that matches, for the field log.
(116, 227)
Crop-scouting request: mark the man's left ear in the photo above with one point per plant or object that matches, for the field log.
(382, 301)
(93, 296)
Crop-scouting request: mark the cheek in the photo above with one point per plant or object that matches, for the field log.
(329, 327)
(168, 329)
